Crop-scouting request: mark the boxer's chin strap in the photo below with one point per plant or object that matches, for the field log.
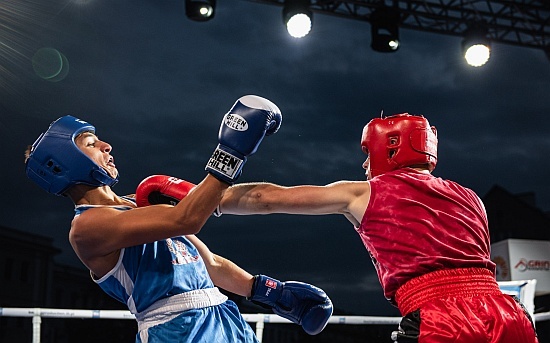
(103, 178)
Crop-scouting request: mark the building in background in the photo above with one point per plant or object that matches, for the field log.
(30, 278)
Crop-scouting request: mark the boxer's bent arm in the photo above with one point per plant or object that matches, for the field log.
(343, 197)
(100, 231)
(223, 272)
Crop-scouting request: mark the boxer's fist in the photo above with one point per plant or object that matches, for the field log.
(299, 302)
(162, 189)
(242, 129)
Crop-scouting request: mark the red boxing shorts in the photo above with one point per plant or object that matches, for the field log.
(460, 306)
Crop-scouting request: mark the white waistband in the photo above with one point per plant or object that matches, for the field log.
(166, 309)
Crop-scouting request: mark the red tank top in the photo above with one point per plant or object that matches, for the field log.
(416, 223)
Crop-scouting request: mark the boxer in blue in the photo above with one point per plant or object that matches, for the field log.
(148, 256)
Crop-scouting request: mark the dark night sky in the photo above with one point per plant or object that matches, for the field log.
(156, 86)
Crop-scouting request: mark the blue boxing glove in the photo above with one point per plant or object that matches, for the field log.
(242, 129)
(301, 303)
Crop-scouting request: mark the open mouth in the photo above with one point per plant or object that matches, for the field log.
(111, 162)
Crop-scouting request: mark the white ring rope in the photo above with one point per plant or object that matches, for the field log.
(258, 318)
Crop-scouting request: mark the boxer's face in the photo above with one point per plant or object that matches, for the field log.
(98, 151)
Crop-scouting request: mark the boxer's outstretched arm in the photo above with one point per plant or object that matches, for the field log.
(343, 197)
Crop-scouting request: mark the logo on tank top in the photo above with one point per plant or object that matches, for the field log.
(180, 253)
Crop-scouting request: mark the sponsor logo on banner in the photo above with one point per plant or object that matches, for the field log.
(528, 265)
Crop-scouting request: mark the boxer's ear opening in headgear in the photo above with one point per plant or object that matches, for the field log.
(399, 141)
(56, 163)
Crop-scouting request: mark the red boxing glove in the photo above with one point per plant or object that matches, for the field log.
(162, 189)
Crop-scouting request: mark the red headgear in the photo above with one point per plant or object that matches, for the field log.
(398, 141)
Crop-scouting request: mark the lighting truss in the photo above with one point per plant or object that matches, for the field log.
(524, 23)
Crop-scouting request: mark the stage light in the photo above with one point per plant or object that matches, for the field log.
(297, 17)
(200, 10)
(385, 30)
(476, 47)
(477, 55)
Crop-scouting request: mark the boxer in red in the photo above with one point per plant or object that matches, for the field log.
(428, 237)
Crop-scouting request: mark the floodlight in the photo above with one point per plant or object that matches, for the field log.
(297, 17)
(476, 47)
(200, 10)
(385, 30)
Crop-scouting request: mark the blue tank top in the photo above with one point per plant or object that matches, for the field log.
(147, 273)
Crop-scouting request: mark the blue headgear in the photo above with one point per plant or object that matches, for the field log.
(56, 163)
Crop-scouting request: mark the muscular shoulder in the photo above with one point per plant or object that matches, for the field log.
(88, 233)
(88, 242)
(89, 218)
(354, 187)
(357, 194)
